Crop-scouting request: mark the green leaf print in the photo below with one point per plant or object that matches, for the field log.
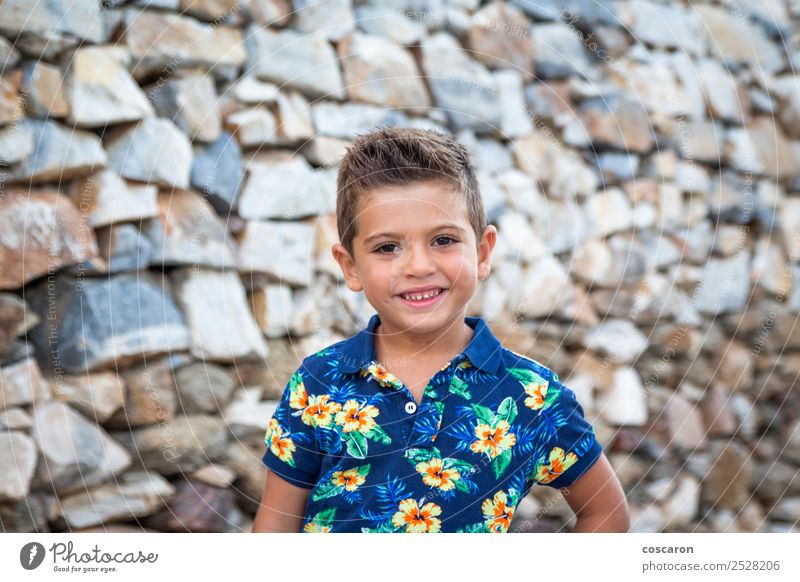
(552, 394)
(507, 410)
(526, 376)
(356, 444)
(326, 517)
(460, 388)
(500, 463)
(474, 528)
(295, 381)
(326, 490)
(462, 486)
(484, 415)
(462, 467)
(421, 455)
(380, 435)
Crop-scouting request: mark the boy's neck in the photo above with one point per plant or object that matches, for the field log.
(396, 344)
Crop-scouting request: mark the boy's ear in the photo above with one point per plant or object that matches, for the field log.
(348, 267)
(485, 247)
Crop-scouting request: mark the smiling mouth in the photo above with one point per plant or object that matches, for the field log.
(422, 296)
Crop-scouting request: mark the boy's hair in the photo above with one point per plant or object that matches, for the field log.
(396, 156)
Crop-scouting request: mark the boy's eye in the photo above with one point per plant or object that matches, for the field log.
(382, 248)
(445, 237)
(389, 247)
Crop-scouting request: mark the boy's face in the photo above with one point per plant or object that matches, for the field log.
(412, 237)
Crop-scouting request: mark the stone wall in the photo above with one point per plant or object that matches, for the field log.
(166, 195)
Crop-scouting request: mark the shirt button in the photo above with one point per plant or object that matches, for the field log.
(410, 407)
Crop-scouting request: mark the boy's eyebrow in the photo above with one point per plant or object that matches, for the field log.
(395, 235)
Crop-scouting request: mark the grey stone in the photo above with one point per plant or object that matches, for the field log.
(137, 494)
(18, 457)
(153, 151)
(282, 250)
(348, 120)
(75, 453)
(58, 154)
(99, 323)
(124, 248)
(16, 143)
(189, 232)
(204, 387)
(101, 91)
(291, 58)
(43, 24)
(380, 72)
(219, 318)
(461, 86)
(107, 199)
(284, 190)
(218, 173)
(160, 41)
(331, 20)
(558, 52)
(97, 396)
(180, 446)
(190, 102)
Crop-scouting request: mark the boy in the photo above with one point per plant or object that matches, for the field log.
(423, 421)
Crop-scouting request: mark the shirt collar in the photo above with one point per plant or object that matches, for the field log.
(483, 350)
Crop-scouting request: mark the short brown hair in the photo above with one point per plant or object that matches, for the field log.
(396, 156)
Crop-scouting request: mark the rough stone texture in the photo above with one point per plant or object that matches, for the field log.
(136, 495)
(640, 160)
(102, 323)
(462, 87)
(220, 321)
(59, 153)
(218, 173)
(108, 199)
(45, 228)
(154, 151)
(190, 102)
(189, 232)
(162, 41)
(97, 396)
(305, 62)
(380, 72)
(76, 453)
(17, 462)
(101, 91)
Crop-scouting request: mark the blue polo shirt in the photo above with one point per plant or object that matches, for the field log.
(491, 423)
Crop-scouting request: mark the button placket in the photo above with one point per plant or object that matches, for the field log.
(430, 410)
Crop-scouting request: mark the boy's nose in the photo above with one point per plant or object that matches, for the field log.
(418, 262)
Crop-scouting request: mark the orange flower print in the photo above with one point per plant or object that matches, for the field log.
(319, 411)
(353, 417)
(493, 441)
(281, 446)
(298, 398)
(435, 475)
(351, 479)
(383, 376)
(497, 513)
(557, 465)
(417, 519)
(536, 391)
(314, 527)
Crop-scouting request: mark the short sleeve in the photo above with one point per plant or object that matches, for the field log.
(292, 450)
(569, 445)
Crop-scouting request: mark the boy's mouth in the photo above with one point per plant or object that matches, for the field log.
(422, 298)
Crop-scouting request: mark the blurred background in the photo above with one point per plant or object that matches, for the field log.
(167, 196)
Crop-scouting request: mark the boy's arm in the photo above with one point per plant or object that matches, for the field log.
(282, 508)
(598, 500)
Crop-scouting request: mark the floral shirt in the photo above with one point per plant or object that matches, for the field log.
(491, 423)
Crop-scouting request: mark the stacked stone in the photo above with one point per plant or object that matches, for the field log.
(167, 195)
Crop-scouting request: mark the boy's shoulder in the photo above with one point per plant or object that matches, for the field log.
(515, 365)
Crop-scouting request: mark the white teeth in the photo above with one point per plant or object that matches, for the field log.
(421, 296)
